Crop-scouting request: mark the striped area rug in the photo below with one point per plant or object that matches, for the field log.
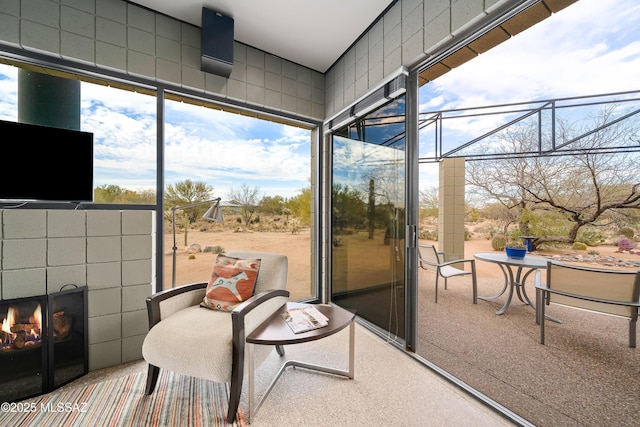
(178, 400)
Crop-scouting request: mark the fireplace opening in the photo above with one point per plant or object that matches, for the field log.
(43, 342)
(22, 352)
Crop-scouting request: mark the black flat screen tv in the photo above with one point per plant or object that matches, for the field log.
(42, 163)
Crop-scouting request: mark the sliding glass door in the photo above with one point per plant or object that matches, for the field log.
(368, 217)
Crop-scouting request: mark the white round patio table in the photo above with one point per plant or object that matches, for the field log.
(512, 281)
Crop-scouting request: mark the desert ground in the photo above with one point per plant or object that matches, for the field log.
(297, 248)
(198, 269)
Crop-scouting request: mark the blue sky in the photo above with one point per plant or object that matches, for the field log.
(237, 150)
(220, 149)
(591, 47)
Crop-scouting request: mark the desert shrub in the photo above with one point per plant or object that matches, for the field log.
(545, 223)
(579, 246)
(498, 243)
(213, 249)
(626, 244)
(594, 252)
(428, 234)
(492, 232)
(473, 215)
(192, 256)
(626, 232)
(590, 238)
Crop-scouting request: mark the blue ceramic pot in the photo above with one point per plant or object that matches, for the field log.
(516, 253)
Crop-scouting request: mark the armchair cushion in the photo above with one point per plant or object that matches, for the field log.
(207, 335)
(233, 280)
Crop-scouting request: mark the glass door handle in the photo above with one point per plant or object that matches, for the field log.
(412, 236)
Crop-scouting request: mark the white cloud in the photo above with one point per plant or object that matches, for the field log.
(232, 155)
(590, 47)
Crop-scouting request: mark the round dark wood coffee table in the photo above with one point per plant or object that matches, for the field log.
(275, 331)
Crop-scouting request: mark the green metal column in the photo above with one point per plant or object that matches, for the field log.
(48, 100)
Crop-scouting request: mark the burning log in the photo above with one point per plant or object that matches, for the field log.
(25, 327)
(20, 340)
(21, 331)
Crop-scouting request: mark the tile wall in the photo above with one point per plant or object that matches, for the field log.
(111, 252)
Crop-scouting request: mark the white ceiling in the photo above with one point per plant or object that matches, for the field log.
(313, 33)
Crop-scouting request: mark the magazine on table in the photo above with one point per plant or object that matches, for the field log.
(305, 319)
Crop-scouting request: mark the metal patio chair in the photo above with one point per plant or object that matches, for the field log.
(430, 259)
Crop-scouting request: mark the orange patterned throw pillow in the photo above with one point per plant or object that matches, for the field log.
(233, 280)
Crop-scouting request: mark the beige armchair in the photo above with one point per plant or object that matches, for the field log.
(210, 344)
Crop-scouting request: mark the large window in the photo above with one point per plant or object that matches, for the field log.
(260, 169)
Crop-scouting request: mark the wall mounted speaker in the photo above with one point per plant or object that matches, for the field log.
(217, 43)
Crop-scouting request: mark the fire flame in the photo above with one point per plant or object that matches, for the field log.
(10, 320)
(36, 318)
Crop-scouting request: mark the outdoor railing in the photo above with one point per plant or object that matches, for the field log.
(599, 123)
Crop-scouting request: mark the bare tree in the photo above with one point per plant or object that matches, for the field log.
(247, 199)
(583, 184)
(429, 201)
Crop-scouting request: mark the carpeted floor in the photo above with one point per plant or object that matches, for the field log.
(389, 388)
(584, 375)
(120, 401)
